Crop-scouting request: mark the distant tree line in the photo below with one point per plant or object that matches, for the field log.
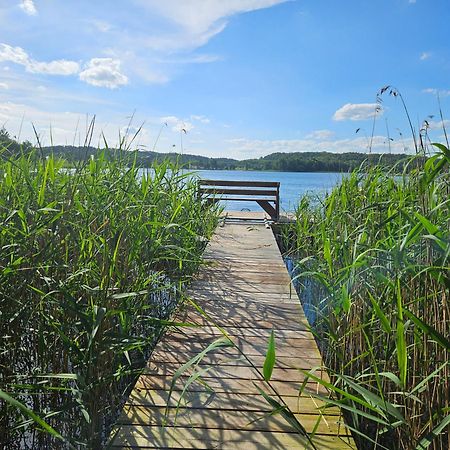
(284, 162)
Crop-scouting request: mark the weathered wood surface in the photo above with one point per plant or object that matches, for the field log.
(245, 291)
(268, 197)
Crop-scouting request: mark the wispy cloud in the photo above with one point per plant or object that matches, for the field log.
(28, 7)
(357, 111)
(176, 124)
(320, 134)
(201, 20)
(101, 72)
(250, 148)
(152, 39)
(66, 127)
(192, 59)
(424, 56)
(18, 55)
(201, 119)
(438, 124)
(440, 92)
(62, 127)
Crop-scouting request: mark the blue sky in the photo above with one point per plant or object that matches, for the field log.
(244, 78)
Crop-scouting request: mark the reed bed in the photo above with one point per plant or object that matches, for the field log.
(93, 260)
(373, 257)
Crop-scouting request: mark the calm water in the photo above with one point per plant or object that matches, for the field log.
(293, 185)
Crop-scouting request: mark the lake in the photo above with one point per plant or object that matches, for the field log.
(293, 185)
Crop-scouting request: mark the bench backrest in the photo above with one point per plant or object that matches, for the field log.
(263, 192)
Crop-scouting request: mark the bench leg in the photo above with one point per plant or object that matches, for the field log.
(268, 208)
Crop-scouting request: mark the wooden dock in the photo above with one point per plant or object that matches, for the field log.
(245, 289)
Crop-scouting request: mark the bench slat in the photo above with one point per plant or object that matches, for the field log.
(215, 191)
(245, 199)
(234, 190)
(239, 183)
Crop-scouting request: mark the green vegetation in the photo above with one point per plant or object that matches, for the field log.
(93, 260)
(283, 162)
(373, 257)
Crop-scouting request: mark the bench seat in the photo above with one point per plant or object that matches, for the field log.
(265, 193)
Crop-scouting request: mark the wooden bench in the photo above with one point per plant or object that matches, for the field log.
(265, 193)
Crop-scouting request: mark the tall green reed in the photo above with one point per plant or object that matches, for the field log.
(92, 258)
(375, 256)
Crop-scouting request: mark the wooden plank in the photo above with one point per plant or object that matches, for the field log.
(237, 199)
(268, 208)
(233, 332)
(245, 304)
(226, 401)
(228, 371)
(220, 190)
(242, 298)
(231, 320)
(221, 419)
(239, 183)
(244, 313)
(229, 191)
(245, 277)
(289, 345)
(190, 437)
(234, 358)
(235, 385)
(240, 265)
(249, 349)
(244, 286)
(245, 292)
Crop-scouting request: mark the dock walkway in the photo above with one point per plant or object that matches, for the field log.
(244, 288)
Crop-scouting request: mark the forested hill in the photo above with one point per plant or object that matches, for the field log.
(285, 162)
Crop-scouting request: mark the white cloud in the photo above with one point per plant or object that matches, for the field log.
(28, 7)
(357, 111)
(16, 55)
(433, 91)
(425, 55)
(200, 16)
(104, 72)
(247, 148)
(177, 124)
(4, 86)
(195, 59)
(196, 21)
(57, 67)
(13, 114)
(19, 56)
(438, 124)
(320, 134)
(64, 130)
(201, 119)
(59, 127)
(152, 38)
